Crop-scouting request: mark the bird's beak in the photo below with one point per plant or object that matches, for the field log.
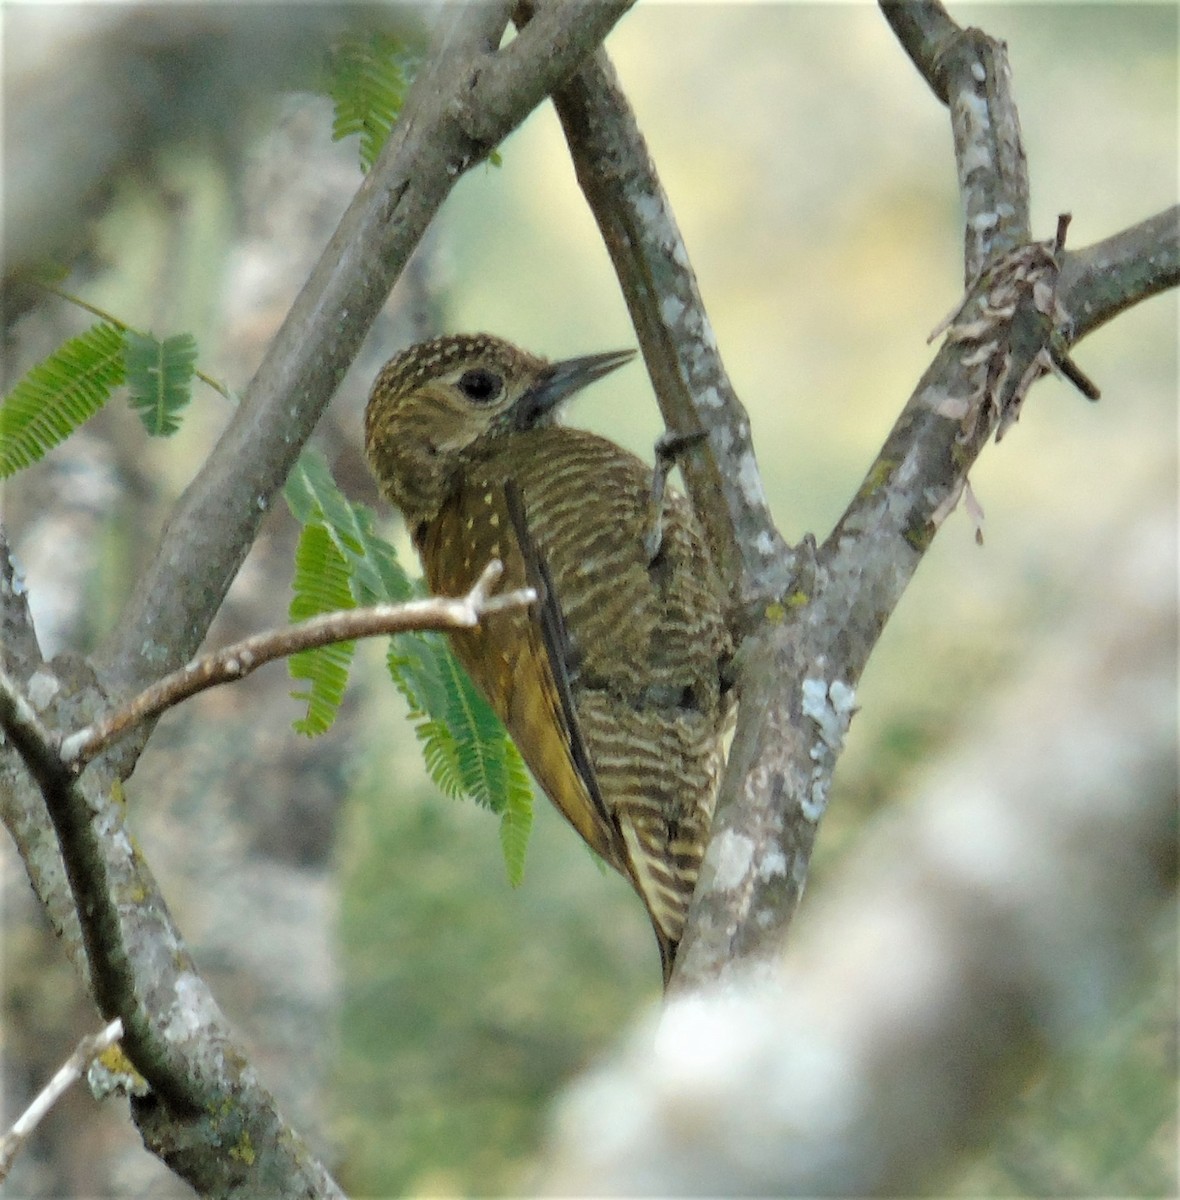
(562, 379)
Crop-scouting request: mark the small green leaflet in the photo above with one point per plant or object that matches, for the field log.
(339, 563)
(321, 585)
(516, 821)
(59, 394)
(342, 562)
(66, 389)
(367, 80)
(313, 497)
(159, 378)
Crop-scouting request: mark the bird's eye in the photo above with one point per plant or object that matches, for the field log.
(480, 386)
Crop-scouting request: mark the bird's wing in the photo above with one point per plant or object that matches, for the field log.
(522, 660)
(559, 649)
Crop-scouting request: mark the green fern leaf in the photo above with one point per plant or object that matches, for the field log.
(441, 755)
(516, 821)
(475, 727)
(464, 745)
(59, 394)
(367, 80)
(321, 585)
(159, 378)
(312, 495)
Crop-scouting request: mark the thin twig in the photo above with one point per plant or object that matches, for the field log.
(242, 658)
(87, 1050)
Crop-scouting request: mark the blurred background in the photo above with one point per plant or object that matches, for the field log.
(413, 1012)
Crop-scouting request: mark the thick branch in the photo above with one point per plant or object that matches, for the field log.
(19, 651)
(243, 658)
(469, 98)
(979, 930)
(94, 892)
(924, 30)
(204, 1093)
(21, 810)
(797, 679)
(989, 153)
(623, 190)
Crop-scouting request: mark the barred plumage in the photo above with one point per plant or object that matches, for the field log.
(612, 687)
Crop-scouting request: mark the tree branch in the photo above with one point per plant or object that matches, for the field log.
(435, 141)
(94, 891)
(235, 662)
(203, 1091)
(989, 152)
(21, 809)
(19, 651)
(968, 71)
(621, 186)
(1104, 279)
(797, 679)
(983, 927)
(924, 30)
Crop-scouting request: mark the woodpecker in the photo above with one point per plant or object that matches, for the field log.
(613, 685)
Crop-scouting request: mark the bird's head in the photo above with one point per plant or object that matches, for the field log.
(441, 404)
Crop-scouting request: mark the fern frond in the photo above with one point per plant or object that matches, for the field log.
(479, 761)
(441, 755)
(159, 378)
(312, 495)
(367, 80)
(321, 584)
(342, 561)
(516, 821)
(59, 394)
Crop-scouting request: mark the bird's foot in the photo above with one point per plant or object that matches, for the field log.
(669, 448)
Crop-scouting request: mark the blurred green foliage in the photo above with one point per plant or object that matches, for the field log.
(341, 561)
(466, 1004)
(1101, 1120)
